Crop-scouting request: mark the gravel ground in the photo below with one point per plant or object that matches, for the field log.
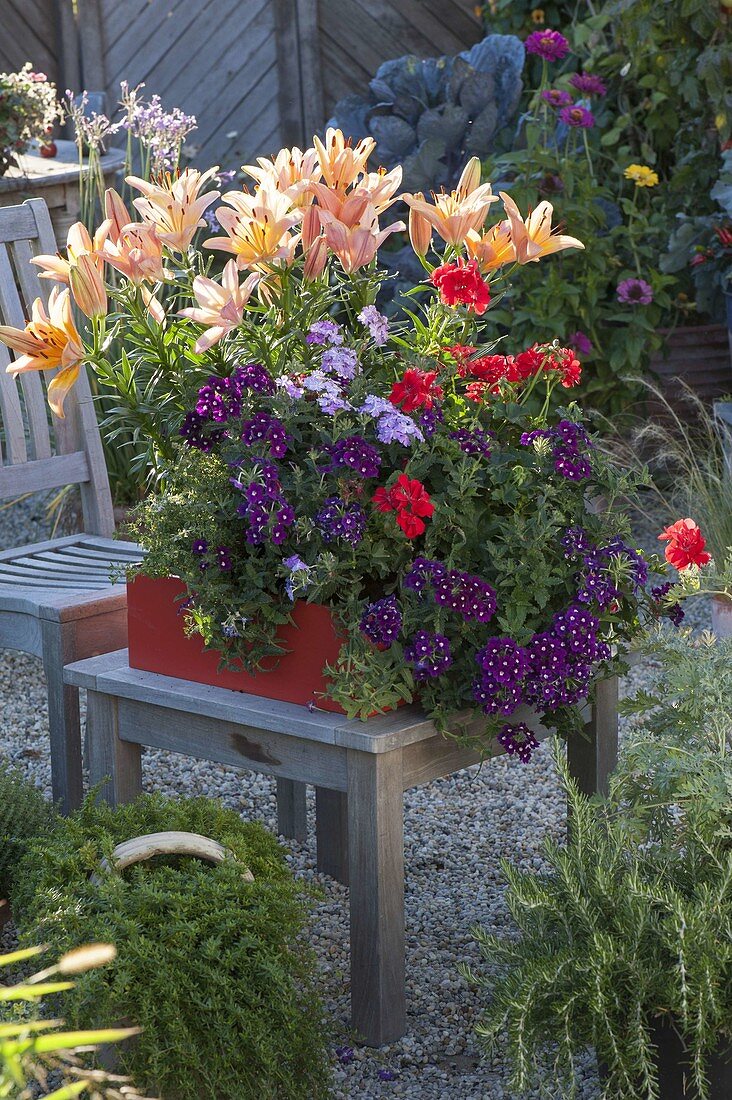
(456, 832)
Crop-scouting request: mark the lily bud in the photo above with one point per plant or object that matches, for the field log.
(116, 212)
(310, 228)
(316, 259)
(469, 179)
(87, 286)
(420, 230)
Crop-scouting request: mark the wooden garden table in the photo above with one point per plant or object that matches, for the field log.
(359, 769)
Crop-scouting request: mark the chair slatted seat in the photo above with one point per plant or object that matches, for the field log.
(63, 599)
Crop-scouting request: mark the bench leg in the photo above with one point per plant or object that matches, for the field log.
(63, 718)
(376, 859)
(117, 762)
(292, 809)
(592, 757)
(331, 833)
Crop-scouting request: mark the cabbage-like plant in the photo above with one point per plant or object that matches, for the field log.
(431, 115)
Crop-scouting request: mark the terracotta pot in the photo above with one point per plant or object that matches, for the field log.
(698, 354)
(722, 617)
(158, 643)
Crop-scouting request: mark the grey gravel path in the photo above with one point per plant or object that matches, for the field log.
(456, 832)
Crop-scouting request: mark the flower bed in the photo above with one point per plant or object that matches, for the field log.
(418, 476)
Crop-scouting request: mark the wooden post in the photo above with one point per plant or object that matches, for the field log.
(63, 715)
(376, 865)
(292, 819)
(331, 832)
(118, 762)
(592, 757)
(300, 83)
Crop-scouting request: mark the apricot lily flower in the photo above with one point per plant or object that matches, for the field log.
(356, 244)
(137, 254)
(78, 243)
(258, 228)
(453, 214)
(340, 162)
(534, 237)
(117, 214)
(420, 230)
(221, 306)
(176, 207)
(49, 340)
(492, 249)
(87, 287)
(291, 172)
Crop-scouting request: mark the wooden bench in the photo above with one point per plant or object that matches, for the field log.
(56, 598)
(359, 770)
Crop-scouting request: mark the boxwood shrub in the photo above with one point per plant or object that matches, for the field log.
(215, 969)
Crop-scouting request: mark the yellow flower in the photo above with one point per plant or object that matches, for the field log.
(641, 175)
(49, 340)
(453, 214)
(535, 237)
(537, 15)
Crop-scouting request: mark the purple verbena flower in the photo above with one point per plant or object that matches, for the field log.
(429, 654)
(429, 420)
(255, 377)
(263, 428)
(223, 557)
(581, 342)
(324, 332)
(518, 740)
(340, 520)
(473, 441)
(381, 622)
(200, 546)
(353, 453)
(340, 361)
(376, 323)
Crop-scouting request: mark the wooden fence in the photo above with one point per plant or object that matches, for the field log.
(257, 74)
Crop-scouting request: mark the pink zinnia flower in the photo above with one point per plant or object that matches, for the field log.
(549, 45)
(577, 116)
(556, 97)
(635, 292)
(588, 84)
(581, 342)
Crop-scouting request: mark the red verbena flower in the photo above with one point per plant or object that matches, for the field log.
(411, 502)
(462, 284)
(685, 544)
(415, 389)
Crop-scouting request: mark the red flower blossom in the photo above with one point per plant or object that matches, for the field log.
(570, 368)
(462, 284)
(685, 544)
(410, 500)
(416, 388)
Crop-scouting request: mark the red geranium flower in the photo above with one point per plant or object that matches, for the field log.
(410, 500)
(462, 284)
(416, 388)
(685, 544)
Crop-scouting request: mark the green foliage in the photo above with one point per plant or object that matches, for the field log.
(613, 939)
(24, 815)
(677, 763)
(31, 1046)
(211, 966)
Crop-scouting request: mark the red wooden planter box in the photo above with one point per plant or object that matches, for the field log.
(158, 643)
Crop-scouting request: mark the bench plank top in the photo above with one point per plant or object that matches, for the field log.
(110, 674)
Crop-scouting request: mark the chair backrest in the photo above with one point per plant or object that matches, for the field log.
(37, 449)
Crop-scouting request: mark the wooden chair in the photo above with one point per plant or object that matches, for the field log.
(57, 601)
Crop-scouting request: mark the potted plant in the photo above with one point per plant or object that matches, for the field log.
(213, 964)
(625, 938)
(423, 492)
(31, 164)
